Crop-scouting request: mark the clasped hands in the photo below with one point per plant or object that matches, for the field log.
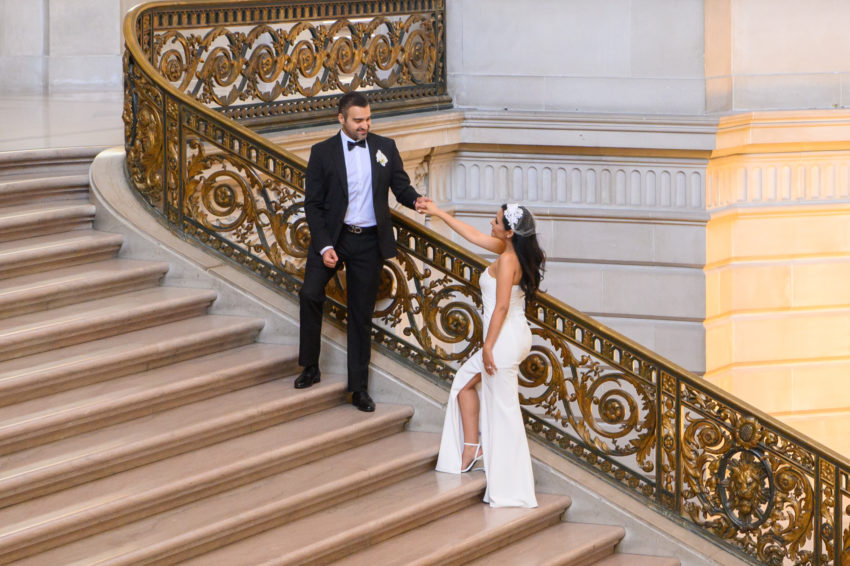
(421, 203)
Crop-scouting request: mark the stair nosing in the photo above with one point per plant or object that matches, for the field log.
(53, 293)
(16, 211)
(30, 184)
(23, 340)
(33, 257)
(199, 486)
(28, 432)
(402, 520)
(603, 545)
(309, 502)
(28, 246)
(16, 387)
(87, 467)
(483, 544)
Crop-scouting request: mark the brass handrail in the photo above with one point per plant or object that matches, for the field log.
(686, 448)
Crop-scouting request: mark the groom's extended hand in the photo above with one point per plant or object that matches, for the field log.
(420, 203)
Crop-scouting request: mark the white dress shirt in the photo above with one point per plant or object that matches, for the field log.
(361, 209)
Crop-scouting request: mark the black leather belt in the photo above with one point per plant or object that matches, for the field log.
(361, 229)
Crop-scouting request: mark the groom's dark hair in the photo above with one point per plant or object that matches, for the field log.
(352, 98)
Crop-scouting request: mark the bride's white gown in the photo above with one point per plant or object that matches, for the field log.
(507, 463)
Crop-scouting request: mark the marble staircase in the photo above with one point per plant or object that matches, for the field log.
(136, 428)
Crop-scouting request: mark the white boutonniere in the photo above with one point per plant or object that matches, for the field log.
(381, 158)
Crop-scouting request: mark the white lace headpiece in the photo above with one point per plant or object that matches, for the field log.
(519, 219)
(512, 214)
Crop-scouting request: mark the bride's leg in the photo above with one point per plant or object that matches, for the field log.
(467, 399)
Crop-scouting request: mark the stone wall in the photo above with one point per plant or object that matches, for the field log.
(671, 57)
(49, 46)
(776, 54)
(777, 266)
(577, 55)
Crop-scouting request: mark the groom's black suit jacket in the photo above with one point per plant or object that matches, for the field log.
(327, 191)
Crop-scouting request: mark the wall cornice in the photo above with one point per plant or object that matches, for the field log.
(639, 131)
(536, 132)
(782, 132)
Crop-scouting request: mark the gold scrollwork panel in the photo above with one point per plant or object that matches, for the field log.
(234, 65)
(740, 486)
(607, 409)
(235, 202)
(431, 307)
(144, 136)
(828, 499)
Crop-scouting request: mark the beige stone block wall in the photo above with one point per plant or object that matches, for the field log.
(61, 46)
(85, 45)
(577, 55)
(22, 45)
(774, 54)
(778, 262)
(776, 290)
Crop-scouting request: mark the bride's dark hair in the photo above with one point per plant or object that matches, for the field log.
(532, 259)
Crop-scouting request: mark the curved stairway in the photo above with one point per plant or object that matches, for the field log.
(135, 428)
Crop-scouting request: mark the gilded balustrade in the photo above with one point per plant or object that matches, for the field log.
(196, 73)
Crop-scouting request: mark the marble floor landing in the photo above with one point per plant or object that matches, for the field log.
(80, 119)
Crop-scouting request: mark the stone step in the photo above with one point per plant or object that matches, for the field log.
(73, 324)
(336, 532)
(464, 535)
(573, 544)
(44, 253)
(59, 465)
(100, 360)
(636, 560)
(58, 188)
(38, 163)
(103, 404)
(52, 289)
(29, 221)
(192, 492)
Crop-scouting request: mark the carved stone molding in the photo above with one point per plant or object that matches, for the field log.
(779, 179)
(572, 181)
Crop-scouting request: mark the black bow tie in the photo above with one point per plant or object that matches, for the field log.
(361, 143)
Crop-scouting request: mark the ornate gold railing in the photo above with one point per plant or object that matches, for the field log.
(197, 73)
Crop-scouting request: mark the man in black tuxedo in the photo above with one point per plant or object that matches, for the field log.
(347, 183)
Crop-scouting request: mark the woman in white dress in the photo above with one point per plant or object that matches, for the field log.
(483, 418)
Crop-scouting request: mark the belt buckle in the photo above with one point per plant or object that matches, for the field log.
(355, 229)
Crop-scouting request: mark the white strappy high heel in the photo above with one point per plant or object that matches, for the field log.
(477, 456)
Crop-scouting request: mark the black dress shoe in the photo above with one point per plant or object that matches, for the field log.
(362, 401)
(308, 377)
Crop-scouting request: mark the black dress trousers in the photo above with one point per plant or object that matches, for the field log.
(361, 256)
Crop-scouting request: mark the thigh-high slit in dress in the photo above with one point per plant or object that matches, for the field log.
(507, 462)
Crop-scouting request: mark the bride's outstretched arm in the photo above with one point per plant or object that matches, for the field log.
(506, 269)
(469, 233)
